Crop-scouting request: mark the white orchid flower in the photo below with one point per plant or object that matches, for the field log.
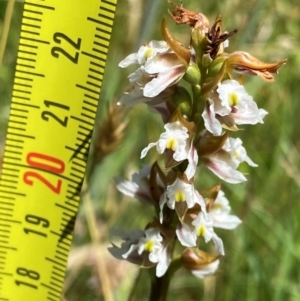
(201, 226)
(225, 162)
(161, 69)
(145, 53)
(219, 213)
(144, 245)
(233, 100)
(178, 192)
(139, 187)
(176, 139)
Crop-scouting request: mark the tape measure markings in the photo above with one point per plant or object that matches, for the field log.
(39, 5)
(21, 134)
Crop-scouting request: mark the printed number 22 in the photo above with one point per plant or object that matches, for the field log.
(58, 38)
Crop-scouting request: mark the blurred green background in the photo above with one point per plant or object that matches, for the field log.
(262, 259)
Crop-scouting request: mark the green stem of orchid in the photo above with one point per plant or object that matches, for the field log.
(159, 288)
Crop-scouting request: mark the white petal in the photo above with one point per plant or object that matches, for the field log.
(129, 60)
(146, 149)
(219, 244)
(163, 263)
(134, 190)
(186, 236)
(220, 108)
(250, 162)
(262, 113)
(163, 80)
(250, 114)
(159, 46)
(140, 77)
(225, 172)
(163, 63)
(132, 98)
(211, 123)
(200, 201)
(192, 158)
(126, 187)
(225, 221)
(162, 202)
(131, 250)
(221, 206)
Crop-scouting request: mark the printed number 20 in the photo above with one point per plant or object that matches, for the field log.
(46, 163)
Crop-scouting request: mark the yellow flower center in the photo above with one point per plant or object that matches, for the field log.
(217, 206)
(236, 154)
(233, 99)
(179, 196)
(201, 231)
(149, 245)
(171, 144)
(148, 53)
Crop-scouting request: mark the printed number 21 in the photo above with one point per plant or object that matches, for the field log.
(59, 38)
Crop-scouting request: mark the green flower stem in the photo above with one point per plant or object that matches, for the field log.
(159, 288)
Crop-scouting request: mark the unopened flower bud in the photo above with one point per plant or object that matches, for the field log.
(192, 74)
(198, 37)
(182, 99)
(200, 263)
(199, 42)
(206, 60)
(215, 66)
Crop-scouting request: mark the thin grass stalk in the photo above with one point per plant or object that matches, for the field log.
(7, 21)
(93, 231)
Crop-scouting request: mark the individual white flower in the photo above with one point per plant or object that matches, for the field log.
(167, 69)
(162, 67)
(146, 248)
(176, 139)
(129, 237)
(145, 53)
(225, 162)
(135, 95)
(139, 187)
(219, 213)
(201, 226)
(232, 100)
(233, 146)
(177, 193)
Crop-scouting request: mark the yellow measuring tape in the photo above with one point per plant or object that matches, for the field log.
(60, 66)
